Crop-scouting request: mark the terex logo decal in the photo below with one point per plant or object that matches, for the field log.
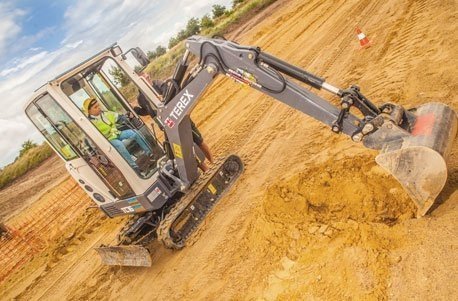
(169, 122)
(185, 99)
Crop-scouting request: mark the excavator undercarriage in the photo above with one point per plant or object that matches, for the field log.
(180, 219)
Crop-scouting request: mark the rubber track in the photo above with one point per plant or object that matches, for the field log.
(163, 230)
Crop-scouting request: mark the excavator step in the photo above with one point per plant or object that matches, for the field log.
(184, 218)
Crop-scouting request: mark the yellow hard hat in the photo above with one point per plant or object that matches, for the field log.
(88, 103)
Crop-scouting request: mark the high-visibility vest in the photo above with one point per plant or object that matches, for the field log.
(106, 124)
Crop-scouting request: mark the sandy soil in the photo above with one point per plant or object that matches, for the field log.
(30, 187)
(312, 217)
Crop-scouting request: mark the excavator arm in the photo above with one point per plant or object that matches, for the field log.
(413, 143)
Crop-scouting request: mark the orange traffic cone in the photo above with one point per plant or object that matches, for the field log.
(363, 40)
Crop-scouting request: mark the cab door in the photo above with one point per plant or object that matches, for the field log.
(84, 159)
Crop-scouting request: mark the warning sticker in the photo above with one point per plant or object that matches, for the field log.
(134, 206)
(177, 151)
(212, 189)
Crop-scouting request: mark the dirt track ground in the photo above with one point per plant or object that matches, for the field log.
(30, 187)
(312, 217)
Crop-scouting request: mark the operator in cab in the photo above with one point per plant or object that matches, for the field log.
(109, 124)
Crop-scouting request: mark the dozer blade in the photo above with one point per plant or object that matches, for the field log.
(417, 156)
(133, 255)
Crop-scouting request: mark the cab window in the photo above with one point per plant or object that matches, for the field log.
(67, 130)
(50, 133)
(100, 94)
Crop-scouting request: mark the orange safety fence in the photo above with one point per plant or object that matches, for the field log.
(30, 231)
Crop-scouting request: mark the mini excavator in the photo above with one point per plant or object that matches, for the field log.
(166, 195)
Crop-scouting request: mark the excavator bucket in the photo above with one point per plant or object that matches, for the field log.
(132, 255)
(417, 156)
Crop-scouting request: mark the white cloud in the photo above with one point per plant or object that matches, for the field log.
(11, 129)
(143, 23)
(74, 45)
(24, 62)
(9, 28)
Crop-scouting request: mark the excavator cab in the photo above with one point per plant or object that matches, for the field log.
(117, 177)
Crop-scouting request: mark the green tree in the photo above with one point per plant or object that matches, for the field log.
(181, 35)
(151, 54)
(218, 10)
(120, 78)
(172, 42)
(206, 22)
(193, 27)
(160, 50)
(27, 145)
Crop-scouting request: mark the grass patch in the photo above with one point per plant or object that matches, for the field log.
(31, 159)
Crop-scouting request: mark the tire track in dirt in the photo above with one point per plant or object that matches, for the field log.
(334, 32)
(240, 30)
(217, 103)
(366, 10)
(277, 31)
(406, 35)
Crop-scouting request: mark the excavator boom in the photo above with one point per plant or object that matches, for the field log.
(413, 144)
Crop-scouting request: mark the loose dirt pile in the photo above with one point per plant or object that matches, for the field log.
(312, 217)
(328, 226)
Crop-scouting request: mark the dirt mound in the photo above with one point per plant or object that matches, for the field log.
(31, 186)
(329, 224)
(355, 188)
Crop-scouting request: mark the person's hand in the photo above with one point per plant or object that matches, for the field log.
(130, 115)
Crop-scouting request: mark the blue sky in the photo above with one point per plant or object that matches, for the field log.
(40, 39)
